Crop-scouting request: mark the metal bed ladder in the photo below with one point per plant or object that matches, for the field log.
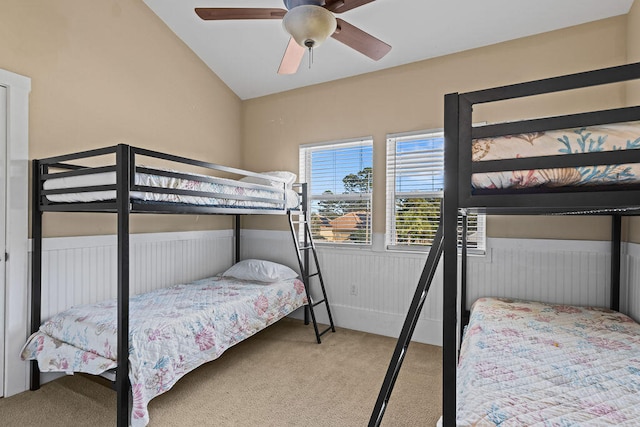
(419, 297)
(304, 244)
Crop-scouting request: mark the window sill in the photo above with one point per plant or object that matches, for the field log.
(425, 250)
(344, 246)
(370, 250)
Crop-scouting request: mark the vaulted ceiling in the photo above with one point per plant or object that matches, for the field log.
(246, 54)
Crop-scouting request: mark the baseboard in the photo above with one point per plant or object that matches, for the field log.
(427, 331)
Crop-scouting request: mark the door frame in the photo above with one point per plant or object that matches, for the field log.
(3, 211)
(16, 307)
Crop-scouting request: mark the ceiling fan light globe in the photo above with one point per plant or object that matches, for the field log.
(290, 4)
(309, 25)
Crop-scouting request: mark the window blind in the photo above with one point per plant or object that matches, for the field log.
(340, 182)
(415, 187)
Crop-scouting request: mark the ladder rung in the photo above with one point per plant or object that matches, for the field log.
(330, 328)
(305, 267)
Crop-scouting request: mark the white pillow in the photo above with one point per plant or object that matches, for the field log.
(289, 178)
(260, 270)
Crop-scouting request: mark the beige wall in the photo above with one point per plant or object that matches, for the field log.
(633, 49)
(410, 98)
(108, 72)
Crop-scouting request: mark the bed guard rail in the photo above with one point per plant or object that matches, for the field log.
(62, 167)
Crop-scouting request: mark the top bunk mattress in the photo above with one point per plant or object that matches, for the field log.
(223, 192)
(610, 137)
(535, 364)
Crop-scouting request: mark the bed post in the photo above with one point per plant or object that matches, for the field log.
(463, 273)
(36, 266)
(450, 294)
(616, 242)
(307, 259)
(236, 235)
(123, 171)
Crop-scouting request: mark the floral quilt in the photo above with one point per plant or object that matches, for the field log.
(612, 137)
(172, 331)
(533, 364)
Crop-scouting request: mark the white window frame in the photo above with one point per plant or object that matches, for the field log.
(306, 151)
(392, 195)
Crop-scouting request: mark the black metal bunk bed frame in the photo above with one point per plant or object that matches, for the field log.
(125, 168)
(459, 198)
(459, 195)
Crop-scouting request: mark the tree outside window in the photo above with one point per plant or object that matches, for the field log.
(415, 187)
(340, 177)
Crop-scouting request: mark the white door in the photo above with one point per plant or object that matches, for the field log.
(3, 221)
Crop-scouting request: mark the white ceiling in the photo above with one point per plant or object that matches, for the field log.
(246, 54)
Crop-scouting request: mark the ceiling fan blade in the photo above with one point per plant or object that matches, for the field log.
(339, 6)
(363, 42)
(292, 58)
(224, 13)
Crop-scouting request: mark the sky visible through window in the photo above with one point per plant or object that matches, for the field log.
(329, 167)
(420, 165)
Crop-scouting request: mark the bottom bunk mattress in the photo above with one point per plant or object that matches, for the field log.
(172, 331)
(534, 364)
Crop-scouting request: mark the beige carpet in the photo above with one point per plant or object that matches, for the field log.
(279, 377)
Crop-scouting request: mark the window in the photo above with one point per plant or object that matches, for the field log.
(340, 180)
(415, 186)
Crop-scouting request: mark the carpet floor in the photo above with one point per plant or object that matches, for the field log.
(279, 377)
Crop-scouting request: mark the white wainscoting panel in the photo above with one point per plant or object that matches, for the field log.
(372, 290)
(368, 290)
(633, 280)
(83, 270)
(566, 272)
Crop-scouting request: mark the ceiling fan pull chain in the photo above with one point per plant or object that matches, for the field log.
(310, 56)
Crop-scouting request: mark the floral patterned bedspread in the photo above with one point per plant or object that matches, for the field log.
(619, 136)
(172, 331)
(534, 364)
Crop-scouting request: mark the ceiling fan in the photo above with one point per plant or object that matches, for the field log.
(309, 22)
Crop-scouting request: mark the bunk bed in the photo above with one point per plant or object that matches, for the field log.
(523, 362)
(145, 343)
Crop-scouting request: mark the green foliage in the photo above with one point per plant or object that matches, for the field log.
(416, 220)
(360, 182)
(329, 210)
